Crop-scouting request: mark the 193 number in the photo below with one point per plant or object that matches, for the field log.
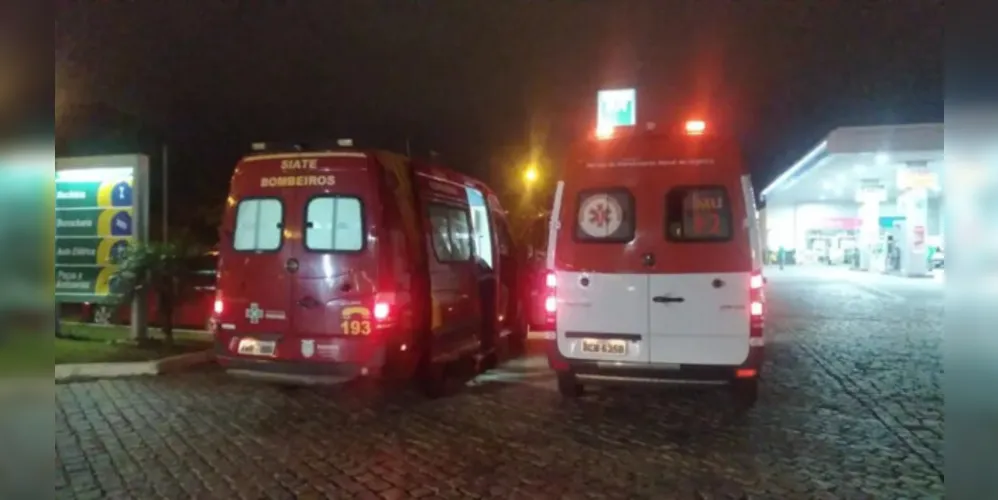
(356, 327)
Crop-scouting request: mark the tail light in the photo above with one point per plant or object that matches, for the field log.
(219, 305)
(551, 305)
(757, 309)
(382, 310)
(551, 297)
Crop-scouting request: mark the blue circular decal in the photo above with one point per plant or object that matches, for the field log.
(121, 195)
(121, 224)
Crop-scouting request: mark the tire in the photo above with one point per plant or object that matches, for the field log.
(432, 378)
(517, 341)
(745, 393)
(103, 315)
(569, 386)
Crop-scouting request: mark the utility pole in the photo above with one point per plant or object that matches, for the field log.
(166, 195)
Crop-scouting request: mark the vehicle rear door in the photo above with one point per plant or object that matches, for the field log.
(253, 283)
(336, 278)
(602, 307)
(700, 291)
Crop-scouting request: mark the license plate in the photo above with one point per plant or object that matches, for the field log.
(612, 347)
(254, 347)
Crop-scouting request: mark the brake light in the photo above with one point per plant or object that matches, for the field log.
(551, 280)
(756, 309)
(219, 306)
(755, 282)
(381, 311)
(695, 127)
(551, 304)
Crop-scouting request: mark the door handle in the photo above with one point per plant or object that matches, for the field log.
(308, 302)
(665, 299)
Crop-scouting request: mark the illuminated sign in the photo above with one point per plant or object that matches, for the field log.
(616, 108)
(99, 211)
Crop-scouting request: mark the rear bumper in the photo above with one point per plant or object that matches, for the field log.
(301, 371)
(610, 372)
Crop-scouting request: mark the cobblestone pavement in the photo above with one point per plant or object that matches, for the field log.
(851, 408)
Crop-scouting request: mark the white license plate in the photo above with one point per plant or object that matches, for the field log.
(254, 347)
(611, 347)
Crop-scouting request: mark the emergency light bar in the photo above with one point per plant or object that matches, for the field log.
(695, 127)
(297, 147)
(691, 127)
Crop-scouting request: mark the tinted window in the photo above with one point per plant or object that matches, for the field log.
(698, 214)
(460, 234)
(505, 240)
(258, 225)
(451, 233)
(605, 215)
(440, 232)
(334, 224)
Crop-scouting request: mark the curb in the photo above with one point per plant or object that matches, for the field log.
(151, 328)
(77, 372)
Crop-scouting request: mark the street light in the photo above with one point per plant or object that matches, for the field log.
(530, 175)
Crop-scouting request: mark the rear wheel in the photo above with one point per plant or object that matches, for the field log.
(432, 378)
(569, 386)
(745, 392)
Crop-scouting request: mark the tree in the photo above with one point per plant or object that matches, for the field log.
(164, 272)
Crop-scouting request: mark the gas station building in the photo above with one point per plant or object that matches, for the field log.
(865, 197)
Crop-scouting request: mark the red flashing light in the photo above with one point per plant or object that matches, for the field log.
(696, 127)
(381, 311)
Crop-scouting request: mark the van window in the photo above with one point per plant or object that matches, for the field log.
(258, 225)
(605, 216)
(451, 235)
(480, 224)
(697, 214)
(334, 224)
(505, 240)
(460, 234)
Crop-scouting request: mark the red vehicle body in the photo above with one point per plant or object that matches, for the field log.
(194, 310)
(655, 264)
(347, 262)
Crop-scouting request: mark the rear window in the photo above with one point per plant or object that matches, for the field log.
(451, 233)
(334, 224)
(605, 216)
(258, 225)
(697, 214)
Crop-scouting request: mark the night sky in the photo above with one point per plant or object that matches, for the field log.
(488, 84)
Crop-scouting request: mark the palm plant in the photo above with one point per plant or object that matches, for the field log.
(163, 271)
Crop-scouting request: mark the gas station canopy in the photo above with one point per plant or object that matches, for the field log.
(851, 158)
